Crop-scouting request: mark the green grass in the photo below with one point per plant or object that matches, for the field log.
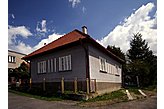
(151, 88)
(119, 95)
(53, 98)
(134, 90)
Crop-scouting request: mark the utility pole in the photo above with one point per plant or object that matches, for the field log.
(138, 81)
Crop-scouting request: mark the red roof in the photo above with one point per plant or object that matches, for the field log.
(66, 39)
(69, 38)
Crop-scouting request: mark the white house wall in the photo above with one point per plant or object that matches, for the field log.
(18, 57)
(94, 66)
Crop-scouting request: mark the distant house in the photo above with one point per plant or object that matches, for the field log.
(76, 55)
(14, 59)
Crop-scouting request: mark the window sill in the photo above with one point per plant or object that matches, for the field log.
(117, 75)
(103, 71)
(114, 74)
(12, 62)
(65, 70)
(41, 73)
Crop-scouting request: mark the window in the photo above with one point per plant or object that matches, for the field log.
(54, 64)
(42, 67)
(118, 70)
(111, 69)
(102, 64)
(11, 59)
(65, 63)
(51, 65)
(48, 65)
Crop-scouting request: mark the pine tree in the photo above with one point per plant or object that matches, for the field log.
(117, 51)
(139, 58)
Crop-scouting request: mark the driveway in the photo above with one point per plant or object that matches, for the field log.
(22, 102)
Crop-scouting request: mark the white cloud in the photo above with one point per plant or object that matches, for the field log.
(13, 32)
(139, 21)
(74, 2)
(20, 46)
(41, 26)
(48, 40)
(84, 9)
(12, 15)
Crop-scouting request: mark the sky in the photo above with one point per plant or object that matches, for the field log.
(31, 23)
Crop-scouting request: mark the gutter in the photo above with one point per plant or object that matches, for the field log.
(86, 60)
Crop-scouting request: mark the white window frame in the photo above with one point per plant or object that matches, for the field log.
(51, 65)
(59, 63)
(103, 66)
(65, 63)
(48, 65)
(11, 59)
(41, 67)
(118, 69)
(54, 64)
(14, 58)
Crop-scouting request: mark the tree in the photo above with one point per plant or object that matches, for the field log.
(141, 60)
(22, 72)
(117, 51)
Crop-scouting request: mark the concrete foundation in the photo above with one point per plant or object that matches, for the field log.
(107, 87)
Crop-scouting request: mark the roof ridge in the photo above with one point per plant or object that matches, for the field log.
(63, 36)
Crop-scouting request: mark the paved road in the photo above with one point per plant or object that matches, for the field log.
(21, 102)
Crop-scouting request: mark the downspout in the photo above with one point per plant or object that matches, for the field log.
(86, 60)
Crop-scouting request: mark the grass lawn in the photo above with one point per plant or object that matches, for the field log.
(151, 88)
(134, 90)
(108, 98)
(120, 94)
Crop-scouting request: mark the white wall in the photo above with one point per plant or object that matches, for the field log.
(18, 57)
(94, 65)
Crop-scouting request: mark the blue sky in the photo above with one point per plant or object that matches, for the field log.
(31, 23)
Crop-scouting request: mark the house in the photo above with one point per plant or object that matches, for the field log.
(14, 59)
(76, 55)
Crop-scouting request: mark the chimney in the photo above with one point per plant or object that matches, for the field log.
(84, 30)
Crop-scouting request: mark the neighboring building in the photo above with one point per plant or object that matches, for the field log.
(76, 55)
(14, 59)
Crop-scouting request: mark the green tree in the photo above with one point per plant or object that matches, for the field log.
(141, 60)
(22, 72)
(117, 51)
